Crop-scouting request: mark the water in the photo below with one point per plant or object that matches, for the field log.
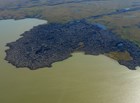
(101, 26)
(79, 79)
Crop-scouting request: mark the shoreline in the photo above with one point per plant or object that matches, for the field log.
(48, 43)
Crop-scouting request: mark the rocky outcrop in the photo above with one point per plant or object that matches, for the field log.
(49, 43)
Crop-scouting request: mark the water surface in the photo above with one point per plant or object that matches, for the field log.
(79, 79)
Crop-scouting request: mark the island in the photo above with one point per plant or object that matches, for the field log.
(46, 44)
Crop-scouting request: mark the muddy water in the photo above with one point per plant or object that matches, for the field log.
(79, 79)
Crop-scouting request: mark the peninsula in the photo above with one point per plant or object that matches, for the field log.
(48, 43)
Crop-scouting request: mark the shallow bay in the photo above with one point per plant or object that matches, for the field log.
(79, 79)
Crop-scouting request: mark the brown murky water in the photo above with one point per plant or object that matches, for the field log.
(79, 79)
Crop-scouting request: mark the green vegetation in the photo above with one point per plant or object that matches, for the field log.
(126, 25)
(61, 12)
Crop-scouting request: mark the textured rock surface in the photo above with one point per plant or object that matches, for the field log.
(49, 43)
